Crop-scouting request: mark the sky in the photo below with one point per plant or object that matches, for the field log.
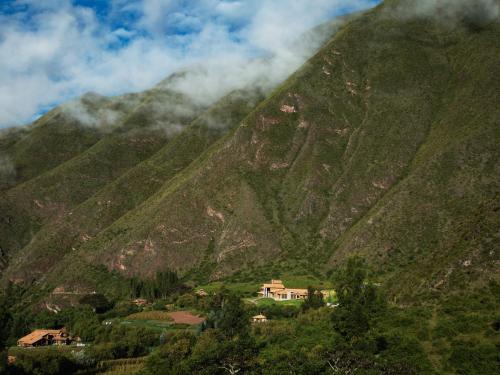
(52, 51)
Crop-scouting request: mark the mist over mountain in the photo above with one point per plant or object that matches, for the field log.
(66, 48)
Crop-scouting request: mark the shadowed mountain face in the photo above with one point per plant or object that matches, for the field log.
(384, 144)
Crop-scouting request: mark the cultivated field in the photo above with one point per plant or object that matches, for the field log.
(150, 315)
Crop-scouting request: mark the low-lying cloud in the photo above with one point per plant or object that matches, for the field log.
(56, 50)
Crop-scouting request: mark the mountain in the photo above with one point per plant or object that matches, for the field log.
(384, 144)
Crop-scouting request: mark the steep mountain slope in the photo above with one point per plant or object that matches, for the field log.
(383, 144)
(124, 193)
(365, 150)
(101, 146)
(439, 223)
(23, 148)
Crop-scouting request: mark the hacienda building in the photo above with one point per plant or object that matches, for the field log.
(45, 337)
(277, 291)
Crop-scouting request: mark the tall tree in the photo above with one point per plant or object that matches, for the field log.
(359, 300)
(314, 299)
(233, 320)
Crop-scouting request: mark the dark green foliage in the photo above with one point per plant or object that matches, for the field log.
(218, 354)
(5, 328)
(468, 357)
(118, 341)
(168, 358)
(391, 153)
(44, 362)
(5, 321)
(84, 323)
(233, 319)
(121, 310)
(359, 301)
(225, 345)
(314, 299)
(276, 311)
(99, 303)
(228, 315)
(161, 286)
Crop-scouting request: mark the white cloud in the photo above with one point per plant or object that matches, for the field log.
(56, 51)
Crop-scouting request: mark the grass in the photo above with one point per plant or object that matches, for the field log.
(251, 288)
(122, 366)
(264, 302)
(240, 288)
(156, 320)
(124, 369)
(150, 315)
(157, 325)
(151, 324)
(67, 349)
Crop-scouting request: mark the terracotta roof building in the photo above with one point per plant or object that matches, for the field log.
(44, 337)
(277, 291)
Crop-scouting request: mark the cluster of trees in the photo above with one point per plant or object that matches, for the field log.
(109, 343)
(225, 346)
(347, 339)
(362, 335)
(161, 286)
(99, 303)
(5, 322)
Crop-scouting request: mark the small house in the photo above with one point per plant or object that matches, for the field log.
(201, 293)
(140, 302)
(259, 318)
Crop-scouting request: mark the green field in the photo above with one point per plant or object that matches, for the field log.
(157, 325)
(151, 324)
(263, 302)
(124, 369)
(251, 288)
(15, 350)
(150, 315)
(122, 366)
(242, 288)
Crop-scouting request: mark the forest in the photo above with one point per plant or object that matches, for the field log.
(363, 334)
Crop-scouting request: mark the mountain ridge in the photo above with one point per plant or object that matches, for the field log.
(305, 178)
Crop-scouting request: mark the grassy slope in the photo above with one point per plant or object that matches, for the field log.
(50, 196)
(280, 175)
(54, 137)
(438, 223)
(369, 129)
(63, 236)
(377, 131)
(60, 135)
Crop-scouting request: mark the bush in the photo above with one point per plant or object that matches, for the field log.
(99, 303)
(45, 362)
(468, 357)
